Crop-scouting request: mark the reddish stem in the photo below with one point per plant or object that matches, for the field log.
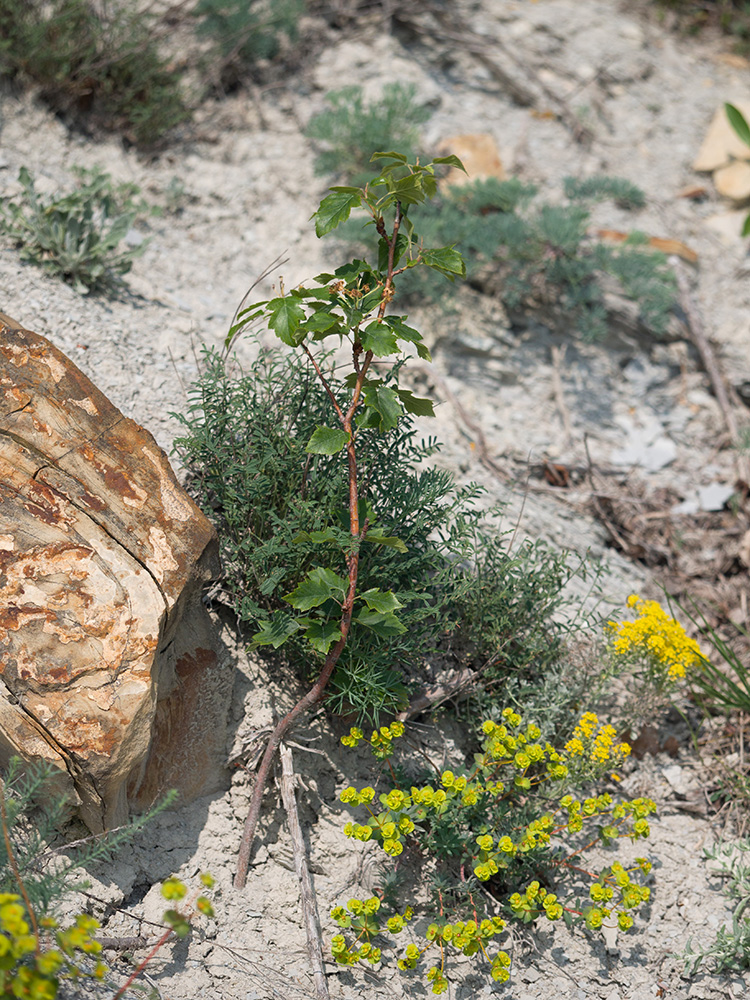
(317, 691)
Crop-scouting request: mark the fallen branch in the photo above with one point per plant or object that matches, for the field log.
(696, 332)
(307, 892)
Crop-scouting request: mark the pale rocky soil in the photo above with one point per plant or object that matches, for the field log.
(648, 97)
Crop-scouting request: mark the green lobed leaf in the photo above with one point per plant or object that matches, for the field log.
(384, 625)
(335, 209)
(379, 339)
(319, 586)
(420, 406)
(386, 403)
(327, 441)
(322, 635)
(447, 260)
(379, 600)
(738, 123)
(285, 315)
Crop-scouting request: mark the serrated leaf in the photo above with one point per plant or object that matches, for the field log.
(379, 600)
(284, 317)
(738, 123)
(320, 322)
(402, 330)
(385, 401)
(379, 339)
(322, 635)
(408, 190)
(335, 209)
(276, 631)
(389, 155)
(327, 441)
(447, 260)
(420, 406)
(424, 352)
(451, 161)
(319, 586)
(383, 625)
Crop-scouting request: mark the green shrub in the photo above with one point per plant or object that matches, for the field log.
(351, 131)
(93, 63)
(246, 31)
(76, 235)
(540, 255)
(465, 593)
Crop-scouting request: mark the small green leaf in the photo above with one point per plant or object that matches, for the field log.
(321, 322)
(424, 352)
(284, 317)
(409, 190)
(319, 586)
(389, 155)
(387, 404)
(276, 631)
(447, 260)
(402, 330)
(327, 441)
(322, 635)
(383, 601)
(738, 123)
(383, 625)
(379, 339)
(335, 209)
(451, 161)
(746, 227)
(418, 405)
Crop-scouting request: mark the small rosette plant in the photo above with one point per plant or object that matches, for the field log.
(512, 813)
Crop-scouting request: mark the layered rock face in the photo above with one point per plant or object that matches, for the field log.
(109, 668)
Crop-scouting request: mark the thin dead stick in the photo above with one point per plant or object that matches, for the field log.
(307, 892)
(697, 333)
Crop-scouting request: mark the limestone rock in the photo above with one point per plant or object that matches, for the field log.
(722, 144)
(108, 664)
(479, 154)
(733, 181)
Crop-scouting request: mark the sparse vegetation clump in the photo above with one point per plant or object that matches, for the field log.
(93, 63)
(77, 235)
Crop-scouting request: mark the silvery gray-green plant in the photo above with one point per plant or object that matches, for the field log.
(76, 235)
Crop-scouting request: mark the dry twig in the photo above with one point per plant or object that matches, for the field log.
(698, 336)
(307, 892)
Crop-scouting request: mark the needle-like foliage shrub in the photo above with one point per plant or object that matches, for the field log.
(469, 600)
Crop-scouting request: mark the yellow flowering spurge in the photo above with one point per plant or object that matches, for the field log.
(35, 958)
(179, 920)
(488, 823)
(594, 747)
(655, 640)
